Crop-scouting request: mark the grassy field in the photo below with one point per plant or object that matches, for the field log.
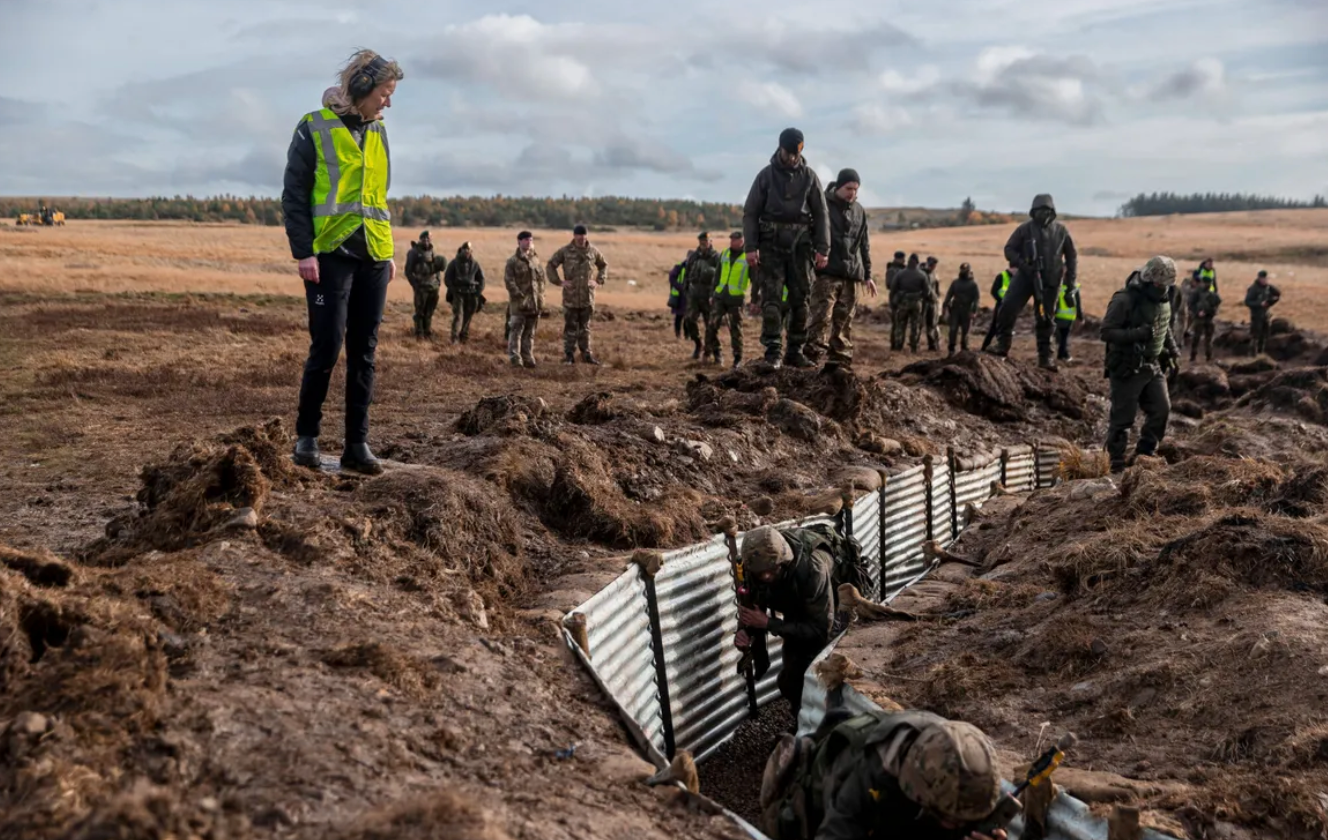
(240, 259)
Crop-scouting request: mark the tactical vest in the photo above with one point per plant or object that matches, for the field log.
(675, 291)
(734, 278)
(350, 185)
(1065, 309)
(1127, 360)
(1005, 285)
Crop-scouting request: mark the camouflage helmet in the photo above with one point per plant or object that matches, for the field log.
(764, 549)
(1159, 271)
(951, 770)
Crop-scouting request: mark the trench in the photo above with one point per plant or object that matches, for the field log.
(658, 639)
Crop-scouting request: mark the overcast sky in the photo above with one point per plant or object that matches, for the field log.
(1092, 100)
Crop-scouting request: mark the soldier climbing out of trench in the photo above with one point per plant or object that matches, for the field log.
(907, 775)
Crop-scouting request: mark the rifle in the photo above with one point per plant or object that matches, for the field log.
(1033, 259)
(755, 660)
(1008, 807)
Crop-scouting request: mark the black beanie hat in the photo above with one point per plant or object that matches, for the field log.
(847, 176)
(525, 234)
(790, 140)
(579, 230)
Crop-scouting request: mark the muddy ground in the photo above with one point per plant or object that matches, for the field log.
(198, 639)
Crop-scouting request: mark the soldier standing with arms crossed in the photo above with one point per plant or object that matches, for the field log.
(586, 270)
(785, 217)
(334, 202)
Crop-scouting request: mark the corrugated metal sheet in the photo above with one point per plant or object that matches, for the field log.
(1020, 469)
(867, 528)
(940, 502)
(973, 487)
(618, 627)
(1048, 466)
(905, 530)
(698, 620)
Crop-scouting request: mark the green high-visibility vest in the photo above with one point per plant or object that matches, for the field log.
(1209, 275)
(734, 278)
(350, 185)
(1065, 310)
(676, 292)
(1005, 285)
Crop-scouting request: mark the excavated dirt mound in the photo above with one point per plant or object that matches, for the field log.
(504, 415)
(1302, 392)
(1286, 345)
(1175, 624)
(1004, 390)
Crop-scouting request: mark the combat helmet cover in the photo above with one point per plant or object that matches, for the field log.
(1159, 271)
(950, 769)
(764, 549)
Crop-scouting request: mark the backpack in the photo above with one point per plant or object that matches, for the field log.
(794, 787)
(846, 551)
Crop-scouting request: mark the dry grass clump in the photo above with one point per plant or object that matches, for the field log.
(40, 567)
(1198, 485)
(406, 673)
(982, 594)
(1079, 463)
(443, 815)
(506, 414)
(452, 517)
(1259, 551)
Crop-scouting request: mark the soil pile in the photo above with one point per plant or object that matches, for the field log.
(1174, 623)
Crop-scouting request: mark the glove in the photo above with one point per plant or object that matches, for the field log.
(1142, 335)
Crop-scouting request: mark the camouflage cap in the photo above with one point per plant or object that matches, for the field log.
(765, 549)
(1160, 271)
(737, 234)
(951, 770)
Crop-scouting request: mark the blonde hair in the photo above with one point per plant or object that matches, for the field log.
(342, 100)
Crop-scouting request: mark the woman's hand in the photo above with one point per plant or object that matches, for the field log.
(309, 270)
(391, 270)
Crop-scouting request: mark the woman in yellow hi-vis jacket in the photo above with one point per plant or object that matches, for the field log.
(338, 171)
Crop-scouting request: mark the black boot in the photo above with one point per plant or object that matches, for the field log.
(589, 358)
(306, 452)
(569, 359)
(795, 358)
(696, 354)
(358, 458)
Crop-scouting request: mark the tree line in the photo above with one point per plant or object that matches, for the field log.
(1166, 203)
(411, 211)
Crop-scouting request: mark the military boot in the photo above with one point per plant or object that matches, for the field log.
(306, 452)
(696, 354)
(358, 458)
(569, 359)
(1046, 362)
(737, 361)
(589, 358)
(795, 358)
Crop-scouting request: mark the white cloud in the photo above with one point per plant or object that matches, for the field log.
(892, 81)
(876, 119)
(993, 61)
(771, 96)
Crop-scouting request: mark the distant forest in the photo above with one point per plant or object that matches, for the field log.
(1163, 204)
(498, 211)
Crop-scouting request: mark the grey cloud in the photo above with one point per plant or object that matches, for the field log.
(627, 153)
(818, 51)
(1203, 78)
(261, 167)
(1110, 195)
(16, 112)
(1040, 86)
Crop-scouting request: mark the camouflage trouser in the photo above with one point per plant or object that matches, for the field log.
(780, 269)
(698, 309)
(426, 301)
(1203, 331)
(1146, 390)
(464, 308)
(909, 312)
(1259, 324)
(931, 319)
(1182, 327)
(576, 329)
(833, 302)
(521, 334)
(959, 326)
(721, 309)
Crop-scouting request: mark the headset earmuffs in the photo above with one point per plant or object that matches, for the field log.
(363, 82)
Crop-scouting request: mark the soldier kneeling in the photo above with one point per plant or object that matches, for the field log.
(903, 775)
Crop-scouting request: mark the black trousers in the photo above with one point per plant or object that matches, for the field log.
(1146, 391)
(1020, 293)
(789, 681)
(346, 305)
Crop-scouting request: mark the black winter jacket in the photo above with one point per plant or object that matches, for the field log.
(850, 245)
(786, 195)
(1055, 249)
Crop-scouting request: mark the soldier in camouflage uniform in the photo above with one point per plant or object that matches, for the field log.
(892, 269)
(1203, 304)
(1141, 350)
(835, 293)
(1260, 298)
(423, 267)
(586, 270)
(524, 279)
(787, 229)
(464, 280)
(907, 775)
(702, 270)
(791, 572)
(911, 292)
(961, 304)
(931, 308)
